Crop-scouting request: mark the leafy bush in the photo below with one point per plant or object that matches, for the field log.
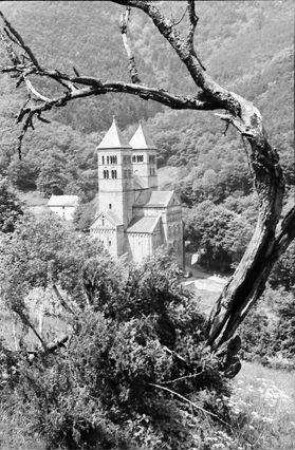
(283, 273)
(134, 363)
(10, 208)
(84, 215)
(268, 333)
(219, 235)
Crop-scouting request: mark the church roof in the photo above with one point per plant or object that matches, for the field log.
(113, 138)
(140, 141)
(160, 198)
(113, 217)
(110, 216)
(63, 200)
(146, 224)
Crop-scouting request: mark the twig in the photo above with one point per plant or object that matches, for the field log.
(181, 397)
(186, 377)
(177, 22)
(176, 355)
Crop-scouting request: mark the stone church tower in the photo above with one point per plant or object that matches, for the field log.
(144, 159)
(134, 218)
(115, 181)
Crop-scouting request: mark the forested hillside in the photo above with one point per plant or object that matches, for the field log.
(238, 46)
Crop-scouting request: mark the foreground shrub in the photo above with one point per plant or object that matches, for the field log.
(134, 373)
(268, 332)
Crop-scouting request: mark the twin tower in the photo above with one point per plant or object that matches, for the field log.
(124, 169)
(134, 217)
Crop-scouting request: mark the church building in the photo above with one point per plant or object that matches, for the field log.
(133, 217)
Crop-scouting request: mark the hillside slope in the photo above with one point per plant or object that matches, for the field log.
(238, 45)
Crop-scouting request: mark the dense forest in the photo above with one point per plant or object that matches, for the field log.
(208, 167)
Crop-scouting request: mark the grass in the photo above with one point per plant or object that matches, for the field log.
(263, 405)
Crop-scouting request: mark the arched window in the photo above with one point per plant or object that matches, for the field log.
(106, 174)
(114, 174)
(108, 160)
(133, 158)
(139, 158)
(102, 160)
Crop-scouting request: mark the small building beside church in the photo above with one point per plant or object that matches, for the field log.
(63, 205)
(133, 217)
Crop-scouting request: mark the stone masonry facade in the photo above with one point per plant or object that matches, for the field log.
(133, 217)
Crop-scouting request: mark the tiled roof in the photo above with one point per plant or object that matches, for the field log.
(113, 217)
(113, 138)
(144, 225)
(109, 215)
(63, 200)
(160, 198)
(140, 141)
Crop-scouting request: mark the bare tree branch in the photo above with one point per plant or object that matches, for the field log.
(193, 21)
(35, 93)
(21, 68)
(26, 321)
(17, 37)
(98, 88)
(128, 47)
(62, 301)
(192, 404)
